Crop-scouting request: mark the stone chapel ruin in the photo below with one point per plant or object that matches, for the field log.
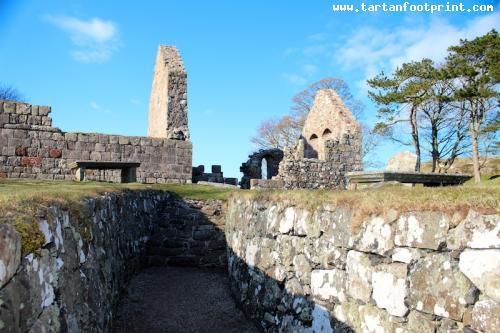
(329, 147)
(30, 147)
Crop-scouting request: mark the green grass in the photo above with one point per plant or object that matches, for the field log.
(21, 200)
(17, 191)
(483, 197)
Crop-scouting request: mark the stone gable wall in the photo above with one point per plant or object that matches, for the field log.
(31, 148)
(308, 270)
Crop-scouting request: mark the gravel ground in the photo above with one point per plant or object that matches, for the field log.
(177, 300)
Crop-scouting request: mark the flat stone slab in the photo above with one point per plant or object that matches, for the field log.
(428, 179)
(103, 165)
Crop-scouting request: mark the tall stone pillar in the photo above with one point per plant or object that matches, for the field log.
(168, 110)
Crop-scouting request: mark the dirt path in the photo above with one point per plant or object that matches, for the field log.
(177, 300)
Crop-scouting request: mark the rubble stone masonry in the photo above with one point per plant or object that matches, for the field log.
(31, 148)
(296, 269)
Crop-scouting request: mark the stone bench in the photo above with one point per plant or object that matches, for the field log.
(128, 169)
(427, 179)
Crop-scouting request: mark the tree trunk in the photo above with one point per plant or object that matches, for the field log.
(474, 132)
(414, 134)
(435, 148)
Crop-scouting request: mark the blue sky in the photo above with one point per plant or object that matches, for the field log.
(92, 61)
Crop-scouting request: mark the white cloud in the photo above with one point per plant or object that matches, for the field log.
(294, 79)
(97, 107)
(310, 69)
(135, 102)
(318, 37)
(94, 105)
(374, 49)
(95, 40)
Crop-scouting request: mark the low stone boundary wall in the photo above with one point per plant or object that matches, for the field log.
(31, 148)
(308, 270)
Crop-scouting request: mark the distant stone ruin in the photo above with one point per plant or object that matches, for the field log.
(253, 168)
(330, 146)
(214, 177)
(31, 148)
(168, 111)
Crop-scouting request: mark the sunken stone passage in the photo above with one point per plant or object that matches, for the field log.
(31, 148)
(300, 270)
(90, 250)
(73, 281)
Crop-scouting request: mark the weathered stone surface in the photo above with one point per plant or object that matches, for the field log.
(288, 220)
(374, 320)
(376, 236)
(168, 101)
(362, 281)
(426, 230)
(486, 316)
(477, 232)
(403, 162)
(329, 285)
(359, 275)
(482, 267)
(389, 288)
(73, 282)
(405, 255)
(10, 252)
(438, 287)
(321, 320)
(328, 119)
(419, 322)
(305, 225)
(253, 167)
(31, 148)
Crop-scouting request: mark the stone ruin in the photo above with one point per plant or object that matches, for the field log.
(168, 111)
(253, 168)
(329, 147)
(30, 147)
(214, 177)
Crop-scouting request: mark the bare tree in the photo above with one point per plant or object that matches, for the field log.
(303, 101)
(9, 93)
(278, 133)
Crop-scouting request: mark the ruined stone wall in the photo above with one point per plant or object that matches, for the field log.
(252, 169)
(31, 148)
(168, 110)
(190, 233)
(342, 156)
(308, 270)
(73, 282)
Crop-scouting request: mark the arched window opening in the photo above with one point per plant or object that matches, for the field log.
(313, 137)
(263, 169)
(327, 133)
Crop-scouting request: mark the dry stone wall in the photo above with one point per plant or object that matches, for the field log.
(73, 282)
(307, 270)
(31, 148)
(342, 156)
